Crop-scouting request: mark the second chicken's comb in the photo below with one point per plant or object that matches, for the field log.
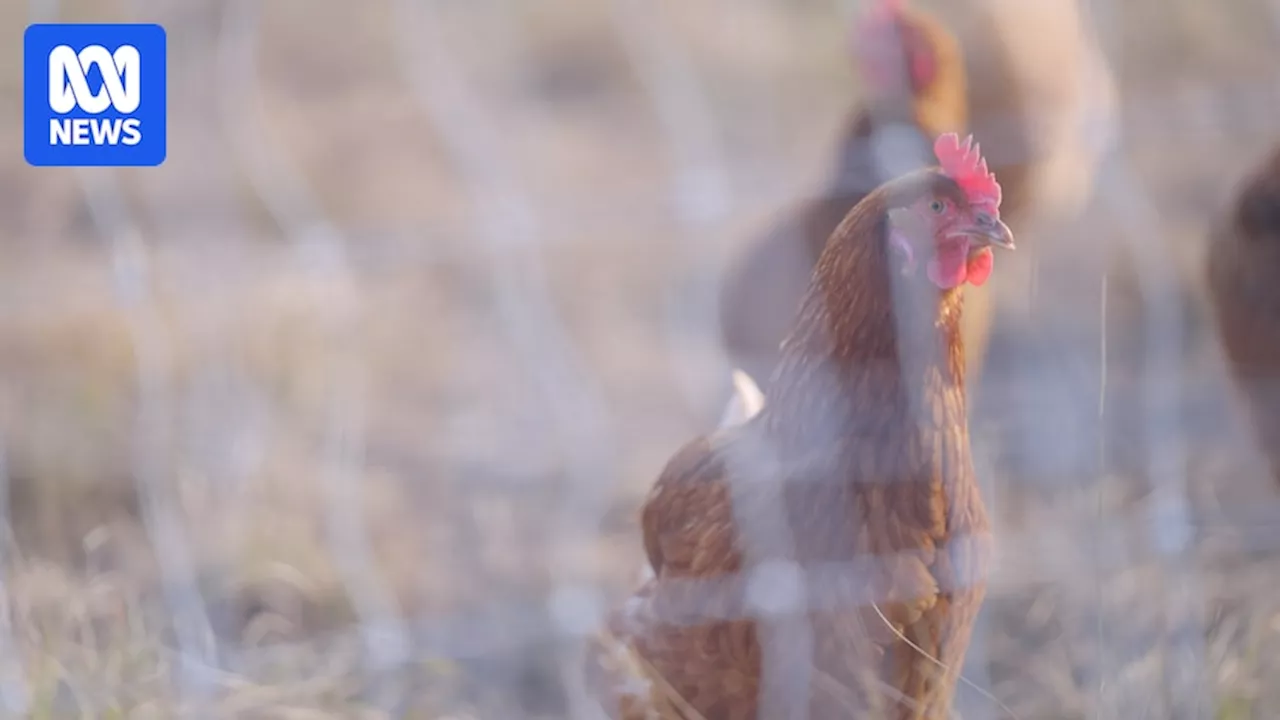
(964, 164)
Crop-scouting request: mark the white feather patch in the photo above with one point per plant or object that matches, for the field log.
(746, 402)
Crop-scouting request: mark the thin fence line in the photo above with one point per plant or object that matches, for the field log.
(321, 253)
(511, 627)
(160, 509)
(15, 688)
(227, 442)
(508, 223)
(701, 191)
(1170, 526)
(703, 198)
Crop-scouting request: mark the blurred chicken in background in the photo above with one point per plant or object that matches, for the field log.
(1241, 270)
(1042, 101)
(1030, 82)
(913, 90)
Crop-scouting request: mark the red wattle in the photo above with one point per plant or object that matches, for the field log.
(979, 267)
(948, 266)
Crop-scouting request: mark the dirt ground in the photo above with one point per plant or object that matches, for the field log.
(418, 306)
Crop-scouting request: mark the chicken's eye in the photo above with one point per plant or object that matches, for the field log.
(937, 206)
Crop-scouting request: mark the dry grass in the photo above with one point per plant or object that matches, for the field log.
(476, 510)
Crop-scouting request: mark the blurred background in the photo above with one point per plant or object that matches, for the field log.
(347, 409)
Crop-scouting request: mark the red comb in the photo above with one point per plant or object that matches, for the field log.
(964, 164)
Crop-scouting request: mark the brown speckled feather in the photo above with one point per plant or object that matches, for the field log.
(1243, 264)
(856, 473)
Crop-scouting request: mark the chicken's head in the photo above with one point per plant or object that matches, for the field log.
(951, 219)
(912, 68)
(894, 52)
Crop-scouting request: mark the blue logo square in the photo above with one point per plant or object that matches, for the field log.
(94, 95)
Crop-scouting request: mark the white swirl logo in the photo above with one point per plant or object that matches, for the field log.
(68, 87)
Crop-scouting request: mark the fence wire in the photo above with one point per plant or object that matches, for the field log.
(383, 432)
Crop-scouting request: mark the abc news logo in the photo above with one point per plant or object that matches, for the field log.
(94, 95)
(69, 89)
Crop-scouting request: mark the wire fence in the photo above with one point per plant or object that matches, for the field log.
(346, 411)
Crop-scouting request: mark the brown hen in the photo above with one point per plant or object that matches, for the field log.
(844, 514)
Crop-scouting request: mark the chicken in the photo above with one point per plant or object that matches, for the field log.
(844, 513)
(1240, 269)
(1031, 84)
(915, 85)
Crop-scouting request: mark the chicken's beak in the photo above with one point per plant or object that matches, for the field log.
(993, 233)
